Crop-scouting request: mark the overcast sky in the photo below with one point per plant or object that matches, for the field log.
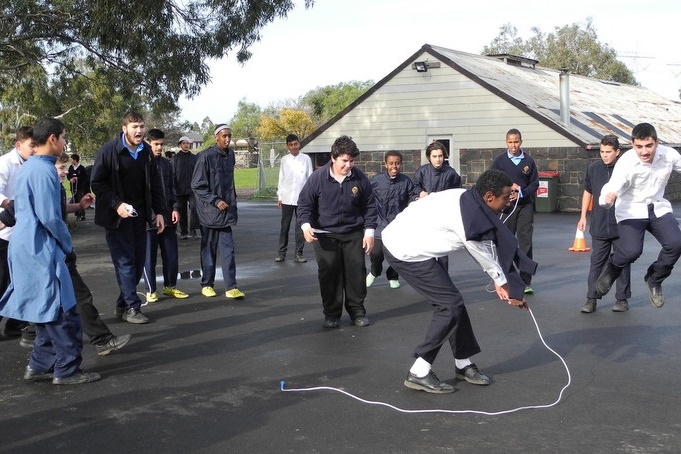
(343, 40)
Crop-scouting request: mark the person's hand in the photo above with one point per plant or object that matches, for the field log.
(309, 235)
(581, 225)
(610, 198)
(368, 244)
(422, 194)
(125, 210)
(175, 217)
(160, 223)
(74, 179)
(86, 201)
(222, 205)
(502, 291)
(279, 204)
(515, 192)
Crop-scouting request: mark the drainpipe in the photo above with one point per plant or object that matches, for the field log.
(565, 96)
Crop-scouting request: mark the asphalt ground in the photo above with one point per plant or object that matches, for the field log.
(204, 376)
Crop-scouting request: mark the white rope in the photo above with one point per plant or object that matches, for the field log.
(144, 296)
(501, 216)
(477, 412)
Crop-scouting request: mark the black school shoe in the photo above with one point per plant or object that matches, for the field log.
(330, 322)
(655, 295)
(620, 306)
(34, 375)
(78, 378)
(472, 374)
(430, 384)
(589, 306)
(115, 343)
(361, 321)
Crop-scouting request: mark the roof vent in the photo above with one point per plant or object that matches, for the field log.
(515, 60)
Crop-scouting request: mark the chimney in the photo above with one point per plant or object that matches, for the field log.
(565, 96)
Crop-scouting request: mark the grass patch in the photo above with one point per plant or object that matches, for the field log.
(243, 179)
(246, 178)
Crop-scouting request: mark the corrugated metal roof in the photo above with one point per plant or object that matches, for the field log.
(597, 107)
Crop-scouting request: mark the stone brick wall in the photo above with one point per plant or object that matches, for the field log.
(569, 162)
(373, 162)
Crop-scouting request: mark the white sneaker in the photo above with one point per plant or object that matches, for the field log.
(370, 279)
(394, 283)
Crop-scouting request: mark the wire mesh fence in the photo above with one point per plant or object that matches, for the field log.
(268, 168)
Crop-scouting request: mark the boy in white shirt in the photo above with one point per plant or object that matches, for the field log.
(636, 188)
(294, 170)
(432, 227)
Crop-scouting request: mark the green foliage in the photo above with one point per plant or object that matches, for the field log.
(325, 102)
(288, 121)
(91, 107)
(572, 46)
(88, 62)
(207, 128)
(300, 117)
(246, 120)
(159, 48)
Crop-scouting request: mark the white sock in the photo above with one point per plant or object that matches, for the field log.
(420, 368)
(461, 363)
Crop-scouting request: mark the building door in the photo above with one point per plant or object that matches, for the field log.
(447, 141)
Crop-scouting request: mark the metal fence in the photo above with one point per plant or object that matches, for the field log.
(268, 168)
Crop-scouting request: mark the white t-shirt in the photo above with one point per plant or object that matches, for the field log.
(432, 227)
(293, 173)
(639, 184)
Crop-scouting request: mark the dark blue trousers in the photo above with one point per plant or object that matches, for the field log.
(127, 246)
(11, 324)
(521, 223)
(450, 318)
(287, 213)
(58, 345)
(188, 216)
(666, 231)
(600, 252)
(211, 240)
(167, 241)
(377, 256)
(90, 321)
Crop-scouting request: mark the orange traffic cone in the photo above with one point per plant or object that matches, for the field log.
(580, 243)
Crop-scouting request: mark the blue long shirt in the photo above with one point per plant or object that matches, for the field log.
(40, 284)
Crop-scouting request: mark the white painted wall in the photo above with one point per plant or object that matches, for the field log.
(412, 106)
